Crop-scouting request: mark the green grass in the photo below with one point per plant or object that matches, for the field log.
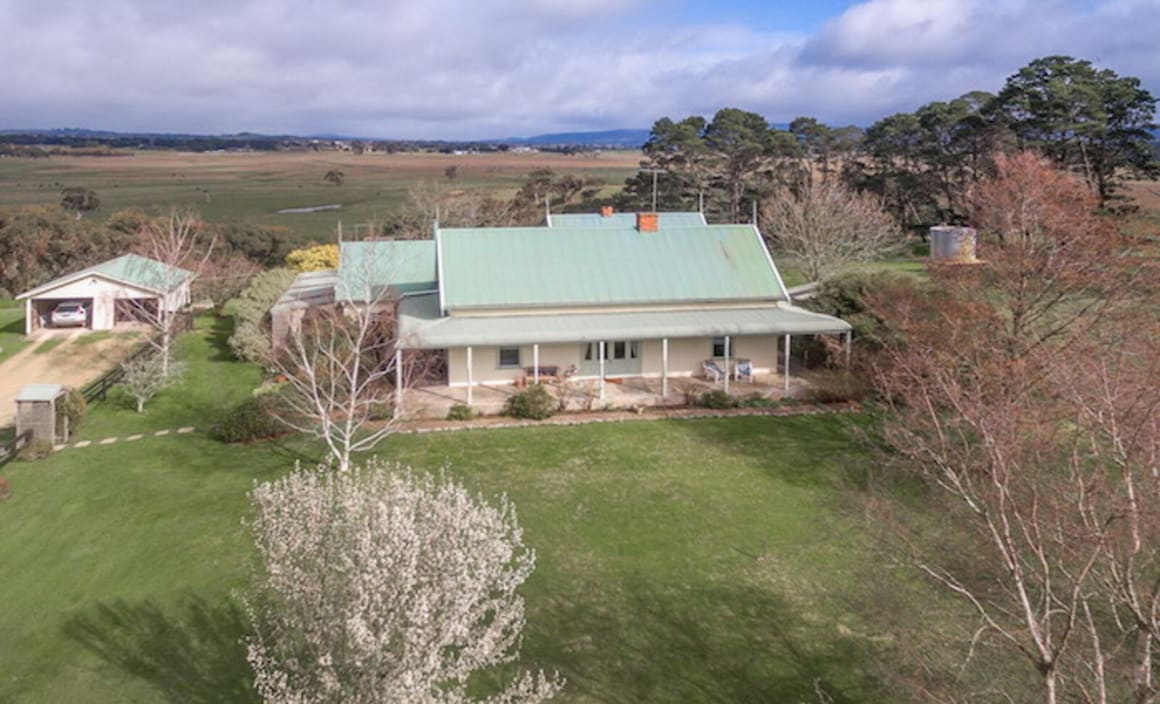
(695, 561)
(12, 338)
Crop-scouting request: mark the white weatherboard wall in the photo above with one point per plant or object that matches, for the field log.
(685, 358)
(103, 294)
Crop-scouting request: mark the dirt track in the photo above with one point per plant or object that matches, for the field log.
(70, 363)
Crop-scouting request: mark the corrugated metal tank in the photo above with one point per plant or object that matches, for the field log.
(948, 243)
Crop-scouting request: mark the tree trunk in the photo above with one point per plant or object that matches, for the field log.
(1145, 693)
(140, 405)
(1049, 696)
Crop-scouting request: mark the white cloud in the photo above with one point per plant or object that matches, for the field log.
(450, 68)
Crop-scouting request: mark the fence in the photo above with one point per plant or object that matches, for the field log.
(11, 448)
(99, 389)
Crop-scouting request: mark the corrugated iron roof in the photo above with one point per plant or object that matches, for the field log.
(421, 326)
(366, 267)
(621, 220)
(585, 266)
(310, 288)
(132, 269)
(40, 392)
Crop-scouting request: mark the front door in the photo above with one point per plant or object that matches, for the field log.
(621, 358)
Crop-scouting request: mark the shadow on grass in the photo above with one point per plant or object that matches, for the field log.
(220, 330)
(712, 645)
(14, 327)
(793, 448)
(192, 652)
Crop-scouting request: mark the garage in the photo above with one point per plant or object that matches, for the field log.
(130, 289)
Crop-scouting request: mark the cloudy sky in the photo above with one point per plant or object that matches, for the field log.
(497, 68)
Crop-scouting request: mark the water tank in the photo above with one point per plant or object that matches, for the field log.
(952, 244)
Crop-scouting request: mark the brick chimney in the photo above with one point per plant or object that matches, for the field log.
(606, 211)
(647, 222)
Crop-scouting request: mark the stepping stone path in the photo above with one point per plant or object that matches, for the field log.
(129, 438)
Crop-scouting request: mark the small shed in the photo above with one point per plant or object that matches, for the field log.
(40, 408)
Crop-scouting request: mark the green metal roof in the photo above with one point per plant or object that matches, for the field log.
(366, 267)
(621, 220)
(132, 269)
(582, 266)
(420, 325)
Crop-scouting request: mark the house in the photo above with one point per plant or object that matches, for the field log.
(122, 290)
(598, 296)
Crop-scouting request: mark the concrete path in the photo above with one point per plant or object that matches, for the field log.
(128, 438)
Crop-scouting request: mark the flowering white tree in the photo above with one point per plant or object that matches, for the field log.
(377, 585)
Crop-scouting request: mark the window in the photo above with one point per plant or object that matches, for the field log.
(719, 347)
(509, 357)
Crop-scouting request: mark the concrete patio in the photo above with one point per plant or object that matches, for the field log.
(433, 402)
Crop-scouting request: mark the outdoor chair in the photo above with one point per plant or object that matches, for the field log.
(743, 369)
(712, 371)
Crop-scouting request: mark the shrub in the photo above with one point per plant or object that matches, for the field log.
(460, 412)
(5, 489)
(317, 258)
(717, 399)
(381, 410)
(757, 401)
(74, 407)
(251, 340)
(249, 420)
(836, 387)
(535, 403)
(36, 450)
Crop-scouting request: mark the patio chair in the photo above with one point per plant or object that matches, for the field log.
(712, 371)
(743, 369)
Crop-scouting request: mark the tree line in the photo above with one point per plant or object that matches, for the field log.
(1089, 121)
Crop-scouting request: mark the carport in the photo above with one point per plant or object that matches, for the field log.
(127, 289)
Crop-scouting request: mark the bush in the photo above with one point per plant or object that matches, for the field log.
(5, 489)
(381, 410)
(36, 450)
(717, 399)
(74, 407)
(250, 341)
(460, 412)
(757, 401)
(249, 420)
(534, 404)
(836, 387)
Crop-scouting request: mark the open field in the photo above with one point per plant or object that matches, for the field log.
(254, 186)
(691, 561)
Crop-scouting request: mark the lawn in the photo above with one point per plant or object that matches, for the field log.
(12, 338)
(692, 561)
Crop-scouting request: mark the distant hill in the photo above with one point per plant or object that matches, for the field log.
(612, 139)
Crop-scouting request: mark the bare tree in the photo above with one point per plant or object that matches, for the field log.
(826, 226)
(1022, 391)
(379, 586)
(345, 366)
(180, 243)
(224, 277)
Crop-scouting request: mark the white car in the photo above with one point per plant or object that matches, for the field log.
(69, 313)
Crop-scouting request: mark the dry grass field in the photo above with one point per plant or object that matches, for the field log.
(254, 186)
